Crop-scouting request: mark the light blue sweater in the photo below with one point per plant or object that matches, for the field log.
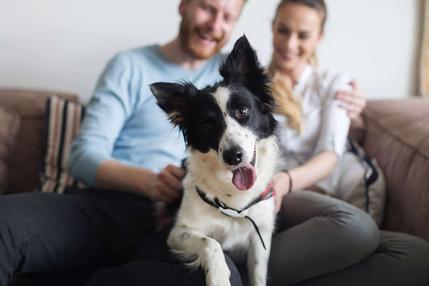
(122, 120)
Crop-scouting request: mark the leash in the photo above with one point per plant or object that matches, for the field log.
(371, 174)
(231, 212)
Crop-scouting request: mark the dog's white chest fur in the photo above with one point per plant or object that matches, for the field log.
(202, 232)
(233, 232)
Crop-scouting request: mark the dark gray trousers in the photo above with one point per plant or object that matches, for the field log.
(320, 241)
(324, 241)
(79, 231)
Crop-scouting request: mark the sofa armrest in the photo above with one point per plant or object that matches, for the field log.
(397, 135)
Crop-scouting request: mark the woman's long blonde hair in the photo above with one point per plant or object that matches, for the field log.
(287, 104)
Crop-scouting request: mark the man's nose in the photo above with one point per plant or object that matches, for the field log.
(216, 22)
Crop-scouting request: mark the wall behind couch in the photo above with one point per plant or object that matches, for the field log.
(64, 45)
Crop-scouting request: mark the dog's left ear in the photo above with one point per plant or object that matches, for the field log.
(241, 62)
(242, 65)
(173, 99)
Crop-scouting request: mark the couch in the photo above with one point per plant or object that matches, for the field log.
(396, 134)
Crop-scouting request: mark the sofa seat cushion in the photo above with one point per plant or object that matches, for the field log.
(9, 127)
(397, 136)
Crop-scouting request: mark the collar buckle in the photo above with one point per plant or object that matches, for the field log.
(232, 213)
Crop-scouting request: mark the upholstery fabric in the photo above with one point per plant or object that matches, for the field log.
(28, 152)
(8, 130)
(397, 135)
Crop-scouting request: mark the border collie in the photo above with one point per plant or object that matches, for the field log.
(227, 202)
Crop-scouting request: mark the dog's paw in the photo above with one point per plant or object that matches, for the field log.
(218, 275)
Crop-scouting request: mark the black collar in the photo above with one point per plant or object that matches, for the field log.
(231, 212)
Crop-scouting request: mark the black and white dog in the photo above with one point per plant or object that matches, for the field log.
(227, 203)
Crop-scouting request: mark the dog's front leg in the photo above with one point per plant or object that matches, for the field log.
(202, 251)
(257, 259)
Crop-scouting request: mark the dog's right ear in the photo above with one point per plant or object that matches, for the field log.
(173, 99)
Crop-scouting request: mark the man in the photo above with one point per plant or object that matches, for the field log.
(128, 155)
(98, 157)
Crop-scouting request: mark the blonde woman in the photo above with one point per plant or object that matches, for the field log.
(321, 240)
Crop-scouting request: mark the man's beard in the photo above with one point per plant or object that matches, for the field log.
(197, 51)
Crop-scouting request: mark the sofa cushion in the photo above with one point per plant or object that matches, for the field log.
(397, 136)
(63, 120)
(9, 127)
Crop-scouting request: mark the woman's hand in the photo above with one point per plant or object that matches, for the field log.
(281, 185)
(353, 101)
(166, 186)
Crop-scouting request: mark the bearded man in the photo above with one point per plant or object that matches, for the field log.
(128, 156)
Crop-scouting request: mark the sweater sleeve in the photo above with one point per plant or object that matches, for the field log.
(105, 116)
(335, 121)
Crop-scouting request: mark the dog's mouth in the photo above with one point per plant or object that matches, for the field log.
(243, 177)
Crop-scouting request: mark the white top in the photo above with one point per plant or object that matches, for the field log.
(326, 123)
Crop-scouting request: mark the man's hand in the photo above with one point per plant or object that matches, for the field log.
(281, 187)
(353, 101)
(166, 186)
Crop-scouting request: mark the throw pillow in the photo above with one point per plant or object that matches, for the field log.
(358, 180)
(361, 182)
(63, 119)
(10, 122)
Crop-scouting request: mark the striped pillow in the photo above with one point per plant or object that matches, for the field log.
(63, 119)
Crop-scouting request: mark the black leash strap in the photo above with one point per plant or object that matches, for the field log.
(231, 212)
(370, 171)
(257, 230)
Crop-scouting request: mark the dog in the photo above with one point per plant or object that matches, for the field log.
(227, 204)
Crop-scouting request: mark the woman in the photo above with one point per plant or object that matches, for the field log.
(318, 125)
(321, 240)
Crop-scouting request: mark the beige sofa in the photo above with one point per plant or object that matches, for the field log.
(396, 134)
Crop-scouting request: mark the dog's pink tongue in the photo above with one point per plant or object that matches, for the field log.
(244, 177)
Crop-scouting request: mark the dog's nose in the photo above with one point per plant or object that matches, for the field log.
(233, 156)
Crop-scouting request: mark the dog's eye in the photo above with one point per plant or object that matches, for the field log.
(242, 113)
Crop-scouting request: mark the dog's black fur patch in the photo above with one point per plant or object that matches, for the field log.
(197, 113)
